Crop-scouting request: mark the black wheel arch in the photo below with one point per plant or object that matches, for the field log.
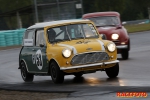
(52, 60)
(19, 57)
(20, 61)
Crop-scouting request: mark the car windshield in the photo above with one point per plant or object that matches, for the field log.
(71, 32)
(105, 21)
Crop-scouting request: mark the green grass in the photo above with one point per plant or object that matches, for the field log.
(137, 28)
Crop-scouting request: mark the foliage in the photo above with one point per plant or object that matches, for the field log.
(129, 9)
(10, 5)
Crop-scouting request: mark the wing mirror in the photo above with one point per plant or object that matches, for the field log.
(103, 36)
(42, 44)
(118, 27)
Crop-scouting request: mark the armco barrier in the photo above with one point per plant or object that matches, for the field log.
(11, 37)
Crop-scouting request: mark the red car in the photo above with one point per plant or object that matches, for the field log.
(110, 27)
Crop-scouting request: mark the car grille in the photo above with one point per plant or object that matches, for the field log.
(92, 57)
(116, 42)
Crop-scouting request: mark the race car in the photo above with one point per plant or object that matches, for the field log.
(110, 27)
(66, 47)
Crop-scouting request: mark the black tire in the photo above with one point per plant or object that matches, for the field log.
(113, 71)
(56, 74)
(27, 77)
(79, 74)
(125, 54)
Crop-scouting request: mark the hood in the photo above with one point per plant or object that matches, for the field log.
(80, 46)
(109, 30)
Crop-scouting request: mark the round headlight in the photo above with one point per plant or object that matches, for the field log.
(66, 52)
(111, 47)
(114, 36)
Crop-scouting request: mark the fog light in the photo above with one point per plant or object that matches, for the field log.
(67, 62)
(123, 43)
(111, 57)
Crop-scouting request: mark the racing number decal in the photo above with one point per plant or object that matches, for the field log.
(33, 58)
(37, 59)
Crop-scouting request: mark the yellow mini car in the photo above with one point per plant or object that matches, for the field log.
(67, 47)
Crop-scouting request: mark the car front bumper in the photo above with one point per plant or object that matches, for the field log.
(122, 46)
(88, 65)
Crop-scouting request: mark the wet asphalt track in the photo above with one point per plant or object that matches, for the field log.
(134, 74)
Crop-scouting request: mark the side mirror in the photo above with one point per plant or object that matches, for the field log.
(119, 27)
(103, 36)
(42, 44)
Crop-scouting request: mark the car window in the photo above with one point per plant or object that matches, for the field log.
(70, 32)
(40, 37)
(105, 20)
(29, 34)
(89, 30)
(57, 34)
(28, 38)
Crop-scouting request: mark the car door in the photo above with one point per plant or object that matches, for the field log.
(28, 45)
(39, 59)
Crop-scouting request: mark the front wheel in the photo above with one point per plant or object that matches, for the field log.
(56, 74)
(113, 71)
(27, 77)
(125, 54)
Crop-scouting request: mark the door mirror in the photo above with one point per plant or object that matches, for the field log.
(42, 44)
(103, 36)
(118, 27)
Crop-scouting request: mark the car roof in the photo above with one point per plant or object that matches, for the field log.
(45, 24)
(96, 14)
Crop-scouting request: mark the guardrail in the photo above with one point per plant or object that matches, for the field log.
(11, 37)
(143, 21)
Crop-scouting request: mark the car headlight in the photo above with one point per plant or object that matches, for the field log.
(114, 36)
(66, 52)
(111, 47)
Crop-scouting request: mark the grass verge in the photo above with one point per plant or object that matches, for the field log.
(137, 28)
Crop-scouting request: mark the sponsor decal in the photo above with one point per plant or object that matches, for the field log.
(131, 94)
(28, 42)
(37, 59)
(92, 28)
(89, 48)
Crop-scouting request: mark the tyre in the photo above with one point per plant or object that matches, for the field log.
(125, 54)
(113, 71)
(27, 77)
(79, 74)
(56, 74)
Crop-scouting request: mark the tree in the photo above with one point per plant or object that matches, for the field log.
(13, 4)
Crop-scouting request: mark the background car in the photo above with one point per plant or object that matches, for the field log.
(69, 47)
(109, 25)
